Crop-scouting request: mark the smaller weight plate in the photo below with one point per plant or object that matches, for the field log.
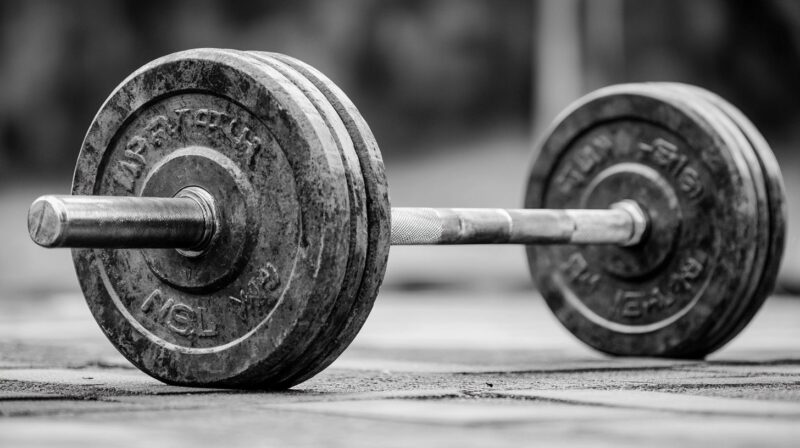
(658, 297)
(728, 316)
(769, 170)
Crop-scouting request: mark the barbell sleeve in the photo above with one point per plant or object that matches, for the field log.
(188, 221)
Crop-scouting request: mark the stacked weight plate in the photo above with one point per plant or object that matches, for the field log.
(715, 199)
(764, 168)
(370, 214)
(299, 183)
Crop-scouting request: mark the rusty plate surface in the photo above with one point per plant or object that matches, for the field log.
(245, 133)
(657, 298)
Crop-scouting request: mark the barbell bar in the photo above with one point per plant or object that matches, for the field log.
(188, 223)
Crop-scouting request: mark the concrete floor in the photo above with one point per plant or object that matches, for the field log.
(449, 368)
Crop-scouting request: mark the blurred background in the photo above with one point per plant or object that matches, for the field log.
(455, 91)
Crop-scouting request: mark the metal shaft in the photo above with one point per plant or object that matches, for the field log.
(188, 221)
(623, 224)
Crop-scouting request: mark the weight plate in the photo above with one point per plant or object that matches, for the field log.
(327, 339)
(727, 318)
(378, 207)
(776, 209)
(216, 120)
(658, 297)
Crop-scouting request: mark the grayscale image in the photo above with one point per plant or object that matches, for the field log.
(363, 223)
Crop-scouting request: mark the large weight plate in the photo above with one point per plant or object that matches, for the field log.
(378, 207)
(766, 164)
(327, 339)
(660, 297)
(227, 317)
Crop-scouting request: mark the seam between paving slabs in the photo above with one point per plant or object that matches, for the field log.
(578, 402)
(98, 392)
(575, 370)
(429, 395)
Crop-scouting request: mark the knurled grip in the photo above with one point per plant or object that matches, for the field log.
(416, 226)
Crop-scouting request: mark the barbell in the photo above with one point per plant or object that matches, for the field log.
(230, 220)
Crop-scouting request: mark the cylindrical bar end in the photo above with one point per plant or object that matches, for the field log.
(639, 220)
(47, 218)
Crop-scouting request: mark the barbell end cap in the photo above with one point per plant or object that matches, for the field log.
(639, 219)
(47, 218)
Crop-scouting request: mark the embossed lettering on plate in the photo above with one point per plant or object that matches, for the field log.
(228, 311)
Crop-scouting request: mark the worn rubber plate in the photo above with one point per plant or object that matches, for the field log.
(217, 120)
(728, 317)
(657, 298)
(378, 207)
(776, 208)
(328, 337)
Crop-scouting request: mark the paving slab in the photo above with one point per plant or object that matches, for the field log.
(662, 401)
(464, 411)
(474, 367)
(272, 427)
(21, 395)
